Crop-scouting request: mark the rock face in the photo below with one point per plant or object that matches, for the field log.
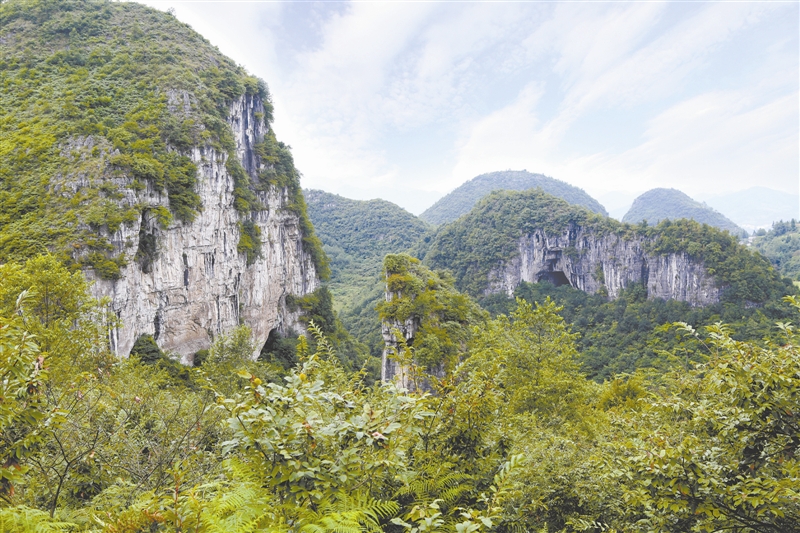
(187, 283)
(391, 368)
(609, 262)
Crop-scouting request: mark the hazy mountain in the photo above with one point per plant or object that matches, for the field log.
(658, 204)
(757, 207)
(463, 198)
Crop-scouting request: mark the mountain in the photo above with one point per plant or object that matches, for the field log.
(131, 148)
(756, 207)
(781, 245)
(658, 204)
(463, 198)
(356, 235)
(512, 237)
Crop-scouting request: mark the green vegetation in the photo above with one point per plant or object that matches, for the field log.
(781, 245)
(745, 277)
(317, 308)
(442, 316)
(464, 198)
(658, 204)
(489, 234)
(632, 332)
(101, 106)
(356, 236)
(693, 428)
(512, 438)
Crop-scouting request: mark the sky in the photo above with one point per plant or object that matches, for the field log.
(407, 100)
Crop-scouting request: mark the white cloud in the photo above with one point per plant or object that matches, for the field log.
(713, 139)
(718, 138)
(422, 96)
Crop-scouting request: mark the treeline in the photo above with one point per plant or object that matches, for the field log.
(513, 437)
(781, 245)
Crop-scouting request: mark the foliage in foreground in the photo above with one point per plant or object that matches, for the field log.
(513, 438)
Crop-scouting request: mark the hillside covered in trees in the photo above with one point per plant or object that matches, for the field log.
(513, 436)
(781, 245)
(659, 204)
(357, 235)
(89, 100)
(490, 234)
(463, 198)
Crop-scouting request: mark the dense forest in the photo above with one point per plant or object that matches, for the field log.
(781, 245)
(551, 411)
(461, 200)
(513, 437)
(357, 235)
(658, 204)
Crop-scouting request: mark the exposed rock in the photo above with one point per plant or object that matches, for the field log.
(594, 263)
(187, 283)
(391, 368)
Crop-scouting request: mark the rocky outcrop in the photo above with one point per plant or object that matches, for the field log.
(609, 262)
(187, 283)
(392, 368)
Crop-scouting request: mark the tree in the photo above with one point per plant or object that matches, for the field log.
(718, 448)
(23, 413)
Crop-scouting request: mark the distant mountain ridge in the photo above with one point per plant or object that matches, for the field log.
(461, 200)
(658, 204)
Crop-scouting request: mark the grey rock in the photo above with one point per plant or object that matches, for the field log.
(196, 285)
(593, 263)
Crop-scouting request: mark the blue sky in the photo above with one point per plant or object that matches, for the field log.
(407, 100)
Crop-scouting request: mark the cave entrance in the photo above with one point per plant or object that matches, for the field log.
(556, 277)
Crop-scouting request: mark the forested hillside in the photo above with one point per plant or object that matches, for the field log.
(781, 245)
(464, 197)
(489, 235)
(356, 236)
(660, 204)
(101, 107)
(512, 437)
(630, 332)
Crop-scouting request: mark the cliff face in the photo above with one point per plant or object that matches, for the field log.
(187, 283)
(393, 369)
(592, 263)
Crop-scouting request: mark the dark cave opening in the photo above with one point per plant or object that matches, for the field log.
(556, 277)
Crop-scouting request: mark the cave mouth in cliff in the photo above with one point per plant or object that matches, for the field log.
(556, 277)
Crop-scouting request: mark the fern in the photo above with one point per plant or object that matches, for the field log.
(439, 482)
(347, 514)
(23, 519)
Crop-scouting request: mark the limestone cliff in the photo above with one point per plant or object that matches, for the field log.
(603, 262)
(187, 283)
(531, 236)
